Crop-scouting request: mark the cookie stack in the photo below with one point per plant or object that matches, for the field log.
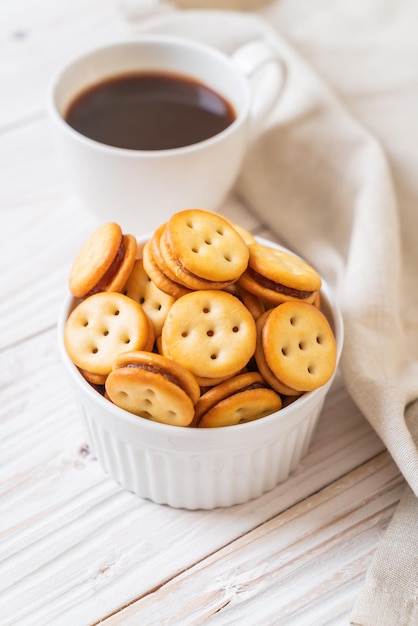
(202, 327)
(195, 250)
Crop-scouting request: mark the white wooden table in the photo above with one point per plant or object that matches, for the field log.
(74, 548)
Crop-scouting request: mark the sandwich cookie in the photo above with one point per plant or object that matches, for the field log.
(202, 250)
(154, 387)
(104, 261)
(211, 333)
(101, 327)
(278, 276)
(243, 398)
(297, 346)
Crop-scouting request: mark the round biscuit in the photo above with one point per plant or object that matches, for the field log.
(182, 274)
(210, 332)
(299, 346)
(102, 326)
(150, 395)
(206, 245)
(94, 258)
(160, 364)
(170, 267)
(283, 267)
(222, 390)
(155, 302)
(241, 407)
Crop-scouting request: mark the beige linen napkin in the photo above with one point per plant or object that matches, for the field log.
(322, 184)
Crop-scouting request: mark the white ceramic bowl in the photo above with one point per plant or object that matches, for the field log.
(198, 468)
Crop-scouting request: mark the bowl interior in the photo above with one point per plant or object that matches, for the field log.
(186, 438)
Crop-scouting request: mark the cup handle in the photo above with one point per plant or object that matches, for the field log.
(251, 59)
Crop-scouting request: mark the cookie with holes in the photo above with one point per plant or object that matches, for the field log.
(203, 250)
(211, 333)
(298, 346)
(264, 369)
(155, 302)
(154, 387)
(278, 276)
(102, 326)
(104, 262)
(165, 276)
(242, 398)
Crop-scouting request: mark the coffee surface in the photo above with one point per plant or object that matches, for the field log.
(149, 111)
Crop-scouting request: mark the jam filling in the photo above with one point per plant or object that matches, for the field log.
(109, 275)
(256, 385)
(277, 287)
(155, 370)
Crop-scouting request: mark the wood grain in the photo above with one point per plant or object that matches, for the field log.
(320, 544)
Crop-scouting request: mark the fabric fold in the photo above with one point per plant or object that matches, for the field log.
(390, 593)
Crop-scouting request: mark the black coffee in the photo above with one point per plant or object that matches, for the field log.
(149, 112)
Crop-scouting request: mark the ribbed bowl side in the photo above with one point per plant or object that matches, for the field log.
(199, 481)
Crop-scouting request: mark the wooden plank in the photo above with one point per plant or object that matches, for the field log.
(304, 566)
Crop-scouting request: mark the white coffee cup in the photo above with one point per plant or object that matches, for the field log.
(140, 189)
